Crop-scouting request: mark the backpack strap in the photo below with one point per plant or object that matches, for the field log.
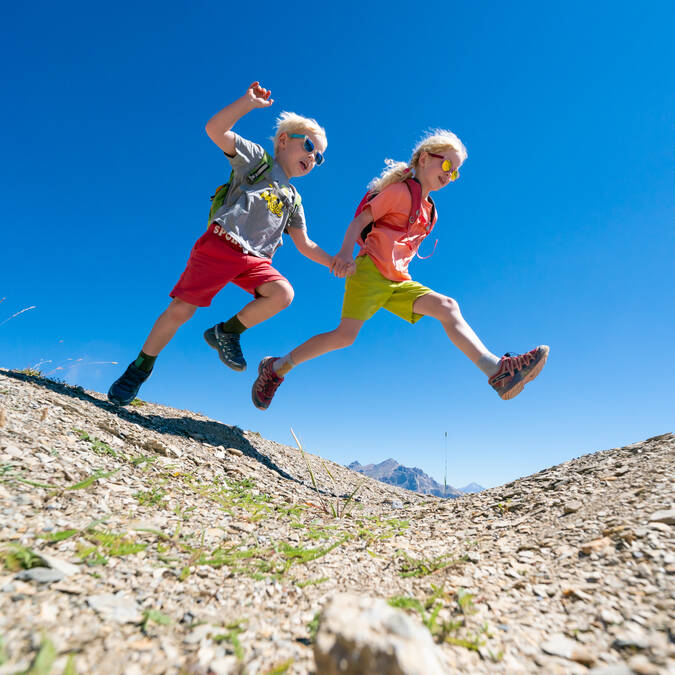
(416, 205)
(220, 195)
(297, 200)
(416, 202)
(415, 189)
(265, 165)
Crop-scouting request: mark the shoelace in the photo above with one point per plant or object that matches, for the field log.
(269, 383)
(230, 346)
(516, 362)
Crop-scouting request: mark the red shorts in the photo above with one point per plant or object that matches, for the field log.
(213, 263)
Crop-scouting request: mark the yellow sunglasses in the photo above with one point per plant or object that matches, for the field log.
(446, 165)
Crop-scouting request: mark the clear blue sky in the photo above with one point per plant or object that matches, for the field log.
(559, 231)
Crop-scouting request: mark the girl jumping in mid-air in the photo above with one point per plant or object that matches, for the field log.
(390, 224)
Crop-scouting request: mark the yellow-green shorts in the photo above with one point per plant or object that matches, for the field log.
(367, 290)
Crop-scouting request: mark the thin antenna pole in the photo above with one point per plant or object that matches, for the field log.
(445, 475)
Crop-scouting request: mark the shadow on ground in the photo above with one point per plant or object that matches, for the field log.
(204, 431)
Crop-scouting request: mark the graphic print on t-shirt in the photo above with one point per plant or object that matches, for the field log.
(274, 204)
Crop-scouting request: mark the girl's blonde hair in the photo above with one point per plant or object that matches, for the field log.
(438, 140)
(290, 123)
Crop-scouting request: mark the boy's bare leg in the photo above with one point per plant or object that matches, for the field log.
(446, 310)
(271, 298)
(173, 317)
(125, 388)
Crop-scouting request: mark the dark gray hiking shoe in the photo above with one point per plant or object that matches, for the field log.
(228, 347)
(123, 390)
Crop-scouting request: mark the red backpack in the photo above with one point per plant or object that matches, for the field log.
(415, 205)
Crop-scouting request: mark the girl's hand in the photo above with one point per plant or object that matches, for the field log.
(257, 96)
(342, 265)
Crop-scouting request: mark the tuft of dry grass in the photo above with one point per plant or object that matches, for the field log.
(21, 311)
(338, 508)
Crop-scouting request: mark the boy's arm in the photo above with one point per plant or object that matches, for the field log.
(219, 126)
(311, 249)
(344, 260)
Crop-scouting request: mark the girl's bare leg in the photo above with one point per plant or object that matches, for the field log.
(343, 336)
(446, 310)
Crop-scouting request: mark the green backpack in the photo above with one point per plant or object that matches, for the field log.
(259, 173)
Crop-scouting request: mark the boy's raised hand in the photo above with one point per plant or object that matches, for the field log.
(258, 96)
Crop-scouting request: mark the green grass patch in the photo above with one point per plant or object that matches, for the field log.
(311, 582)
(102, 545)
(153, 497)
(15, 557)
(98, 446)
(44, 659)
(232, 637)
(281, 668)
(31, 372)
(451, 630)
(301, 555)
(143, 460)
(154, 616)
(313, 626)
(70, 666)
(53, 537)
(422, 567)
(87, 482)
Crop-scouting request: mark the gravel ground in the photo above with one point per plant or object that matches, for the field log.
(154, 540)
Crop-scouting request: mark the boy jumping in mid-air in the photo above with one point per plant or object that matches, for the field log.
(259, 205)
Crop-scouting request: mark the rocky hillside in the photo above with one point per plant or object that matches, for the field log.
(154, 540)
(410, 478)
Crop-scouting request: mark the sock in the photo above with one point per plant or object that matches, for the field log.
(283, 365)
(145, 362)
(232, 326)
(488, 363)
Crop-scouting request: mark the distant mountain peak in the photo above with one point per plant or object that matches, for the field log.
(471, 487)
(375, 470)
(411, 478)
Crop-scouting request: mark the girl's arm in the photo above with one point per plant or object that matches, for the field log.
(219, 126)
(312, 250)
(345, 257)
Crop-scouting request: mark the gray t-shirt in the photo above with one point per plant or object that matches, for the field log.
(256, 215)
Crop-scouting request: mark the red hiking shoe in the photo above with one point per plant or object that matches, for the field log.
(516, 370)
(266, 383)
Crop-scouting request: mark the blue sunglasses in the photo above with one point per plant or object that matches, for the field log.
(309, 146)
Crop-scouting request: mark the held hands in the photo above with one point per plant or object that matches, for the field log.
(342, 265)
(257, 96)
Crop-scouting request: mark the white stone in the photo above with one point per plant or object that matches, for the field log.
(116, 607)
(359, 635)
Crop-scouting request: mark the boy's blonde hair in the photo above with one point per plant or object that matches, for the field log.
(437, 140)
(290, 123)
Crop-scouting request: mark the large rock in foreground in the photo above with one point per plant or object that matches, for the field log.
(365, 636)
